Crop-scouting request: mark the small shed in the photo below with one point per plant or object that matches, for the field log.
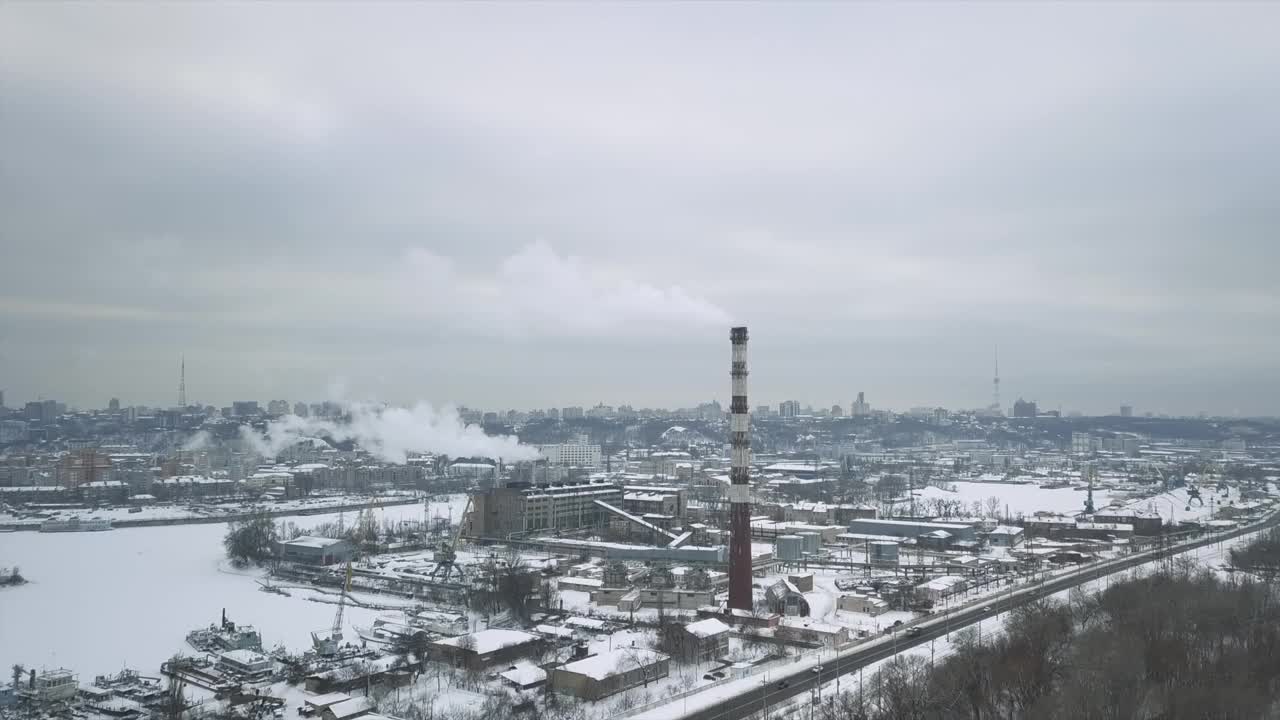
(523, 676)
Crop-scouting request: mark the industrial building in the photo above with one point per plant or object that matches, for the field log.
(805, 630)
(705, 640)
(1005, 536)
(912, 529)
(1144, 523)
(524, 507)
(487, 648)
(859, 603)
(608, 673)
(309, 550)
(657, 499)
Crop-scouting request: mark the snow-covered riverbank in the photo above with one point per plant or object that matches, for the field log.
(98, 602)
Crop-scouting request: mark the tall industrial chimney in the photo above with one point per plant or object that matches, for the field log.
(739, 478)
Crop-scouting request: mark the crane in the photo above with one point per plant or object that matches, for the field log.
(447, 555)
(329, 645)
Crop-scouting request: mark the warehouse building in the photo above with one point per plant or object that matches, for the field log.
(524, 507)
(608, 673)
(310, 550)
(912, 529)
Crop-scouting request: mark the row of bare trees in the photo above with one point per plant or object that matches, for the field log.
(1179, 644)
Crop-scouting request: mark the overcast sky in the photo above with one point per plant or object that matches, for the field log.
(532, 204)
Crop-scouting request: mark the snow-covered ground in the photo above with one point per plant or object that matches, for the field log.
(98, 602)
(184, 511)
(1019, 499)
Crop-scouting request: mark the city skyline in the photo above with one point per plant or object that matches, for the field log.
(775, 409)
(463, 210)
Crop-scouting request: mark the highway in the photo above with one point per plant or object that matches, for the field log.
(785, 683)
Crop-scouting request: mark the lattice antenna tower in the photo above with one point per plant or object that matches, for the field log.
(182, 383)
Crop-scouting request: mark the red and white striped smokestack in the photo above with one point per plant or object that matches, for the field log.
(739, 477)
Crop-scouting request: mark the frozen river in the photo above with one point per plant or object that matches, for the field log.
(98, 602)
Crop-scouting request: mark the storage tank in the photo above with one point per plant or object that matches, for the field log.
(883, 553)
(812, 542)
(790, 548)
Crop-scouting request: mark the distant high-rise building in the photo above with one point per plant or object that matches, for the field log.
(245, 408)
(1, 398)
(860, 408)
(1024, 408)
(300, 409)
(1081, 443)
(83, 467)
(575, 454)
(571, 413)
(1126, 411)
(837, 411)
(113, 404)
(278, 407)
(12, 431)
(788, 408)
(553, 413)
(41, 412)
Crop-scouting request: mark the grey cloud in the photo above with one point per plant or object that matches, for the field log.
(881, 192)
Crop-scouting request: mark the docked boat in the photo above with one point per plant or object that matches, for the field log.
(75, 524)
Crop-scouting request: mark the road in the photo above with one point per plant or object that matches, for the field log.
(787, 683)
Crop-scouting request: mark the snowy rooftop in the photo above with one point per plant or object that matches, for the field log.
(525, 674)
(311, 541)
(1112, 527)
(944, 582)
(644, 497)
(491, 640)
(614, 662)
(321, 701)
(588, 623)
(707, 628)
(244, 657)
(1007, 530)
(554, 631)
(352, 707)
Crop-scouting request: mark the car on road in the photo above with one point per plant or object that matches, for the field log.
(913, 631)
(783, 685)
(986, 609)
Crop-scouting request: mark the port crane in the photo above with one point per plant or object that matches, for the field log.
(446, 555)
(328, 645)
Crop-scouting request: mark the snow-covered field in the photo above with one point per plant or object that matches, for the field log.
(1019, 499)
(98, 602)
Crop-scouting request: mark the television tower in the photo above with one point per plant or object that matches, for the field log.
(182, 383)
(995, 384)
(739, 477)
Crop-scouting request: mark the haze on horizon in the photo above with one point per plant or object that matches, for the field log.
(532, 205)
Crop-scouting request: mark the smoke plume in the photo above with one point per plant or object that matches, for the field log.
(391, 433)
(197, 441)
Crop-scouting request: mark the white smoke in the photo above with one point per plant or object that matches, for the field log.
(198, 441)
(391, 433)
